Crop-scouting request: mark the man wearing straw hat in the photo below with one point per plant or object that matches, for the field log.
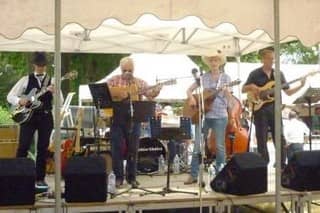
(216, 118)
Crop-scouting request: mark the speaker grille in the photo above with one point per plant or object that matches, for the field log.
(244, 174)
(17, 182)
(303, 171)
(85, 179)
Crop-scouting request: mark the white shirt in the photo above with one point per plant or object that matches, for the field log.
(295, 130)
(19, 88)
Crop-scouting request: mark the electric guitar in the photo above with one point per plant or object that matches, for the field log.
(208, 96)
(266, 94)
(21, 114)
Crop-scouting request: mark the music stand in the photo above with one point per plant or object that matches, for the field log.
(312, 95)
(167, 133)
(130, 112)
(102, 99)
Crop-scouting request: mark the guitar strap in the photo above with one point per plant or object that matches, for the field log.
(45, 82)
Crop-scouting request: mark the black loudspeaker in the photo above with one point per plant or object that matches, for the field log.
(302, 172)
(17, 181)
(85, 179)
(244, 174)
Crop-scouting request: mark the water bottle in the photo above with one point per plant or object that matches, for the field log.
(161, 165)
(176, 165)
(211, 173)
(112, 183)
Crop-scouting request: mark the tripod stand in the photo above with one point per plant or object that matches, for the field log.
(184, 132)
(128, 115)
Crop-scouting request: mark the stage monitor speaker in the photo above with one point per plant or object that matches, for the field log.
(303, 171)
(17, 181)
(85, 179)
(244, 174)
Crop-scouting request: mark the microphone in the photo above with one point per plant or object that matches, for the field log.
(194, 72)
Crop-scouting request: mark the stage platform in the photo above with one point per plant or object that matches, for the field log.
(208, 200)
(136, 201)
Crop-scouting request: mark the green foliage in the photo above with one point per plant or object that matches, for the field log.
(12, 67)
(5, 117)
(296, 53)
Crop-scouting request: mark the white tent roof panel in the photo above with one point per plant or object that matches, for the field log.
(148, 35)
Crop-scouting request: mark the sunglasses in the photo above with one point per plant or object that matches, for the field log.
(126, 70)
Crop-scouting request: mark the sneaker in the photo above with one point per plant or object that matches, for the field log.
(41, 186)
(190, 180)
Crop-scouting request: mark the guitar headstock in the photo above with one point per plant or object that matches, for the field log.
(312, 73)
(70, 75)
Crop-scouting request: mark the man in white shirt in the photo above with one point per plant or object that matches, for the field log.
(40, 118)
(295, 132)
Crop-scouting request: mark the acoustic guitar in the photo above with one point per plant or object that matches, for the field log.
(134, 92)
(69, 147)
(208, 96)
(266, 94)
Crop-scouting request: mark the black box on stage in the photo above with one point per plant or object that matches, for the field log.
(85, 179)
(303, 171)
(244, 174)
(17, 181)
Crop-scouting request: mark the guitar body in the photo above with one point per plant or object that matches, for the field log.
(265, 96)
(67, 151)
(21, 114)
(208, 96)
(193, 111)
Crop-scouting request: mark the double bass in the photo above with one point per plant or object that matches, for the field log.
(236, 137)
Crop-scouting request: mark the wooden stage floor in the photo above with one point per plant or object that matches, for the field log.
(135, 201)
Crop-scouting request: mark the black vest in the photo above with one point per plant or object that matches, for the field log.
(46, 99)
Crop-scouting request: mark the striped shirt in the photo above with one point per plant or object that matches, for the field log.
(219, 107)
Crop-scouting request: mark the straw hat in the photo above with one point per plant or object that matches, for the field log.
(218, 53)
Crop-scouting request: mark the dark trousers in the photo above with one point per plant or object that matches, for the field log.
(128, 136)
(263, 121)
(43, 122)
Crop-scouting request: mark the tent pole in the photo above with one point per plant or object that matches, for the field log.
(238, 59)
(277, 114)
(57, 104)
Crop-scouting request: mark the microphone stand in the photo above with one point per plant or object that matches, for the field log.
(200, 136)
(131, 137)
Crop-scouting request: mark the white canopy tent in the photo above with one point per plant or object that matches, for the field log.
(271, 16)
(147, 35)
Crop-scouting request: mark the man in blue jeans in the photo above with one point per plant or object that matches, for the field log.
(123, 129)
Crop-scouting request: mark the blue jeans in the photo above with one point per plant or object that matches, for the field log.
(218, 126)
(292, 148)
(120, 134)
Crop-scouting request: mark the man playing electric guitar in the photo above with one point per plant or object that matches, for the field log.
(41, 119)
(264, 116)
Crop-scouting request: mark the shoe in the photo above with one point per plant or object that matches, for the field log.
(119, 183)
(190, 180)
(41, 186)
(134, 183)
